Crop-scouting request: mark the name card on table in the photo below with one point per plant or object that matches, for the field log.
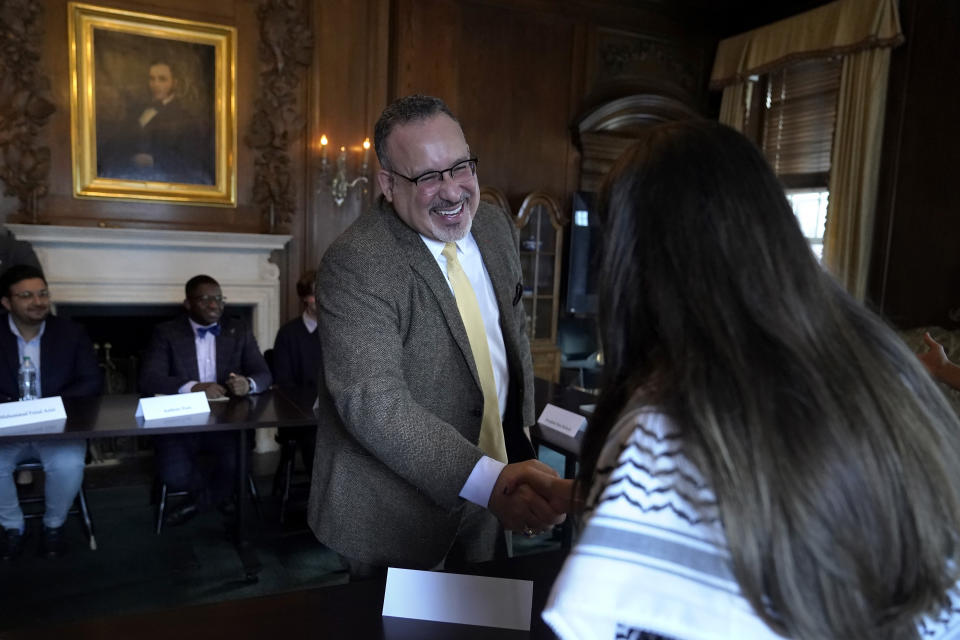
(172, 406)
(450, 597)
(566, 422)
(14, 414)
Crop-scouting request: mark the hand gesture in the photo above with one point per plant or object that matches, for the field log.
(935, 358)
(212, 389)
(526, 497)
(238, 385)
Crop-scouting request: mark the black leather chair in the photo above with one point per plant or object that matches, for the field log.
(579, 352)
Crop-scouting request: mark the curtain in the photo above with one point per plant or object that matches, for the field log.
(841, 27)
(863, 31)
(733, 106)
(855, 167)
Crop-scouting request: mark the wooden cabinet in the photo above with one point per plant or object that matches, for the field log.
(541, 246)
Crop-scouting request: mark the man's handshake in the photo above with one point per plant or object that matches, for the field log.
(530, 497)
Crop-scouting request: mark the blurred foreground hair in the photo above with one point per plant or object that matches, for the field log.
(834, 458)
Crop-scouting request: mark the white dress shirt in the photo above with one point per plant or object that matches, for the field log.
(309, 323)
(206, 356)
(484, 476)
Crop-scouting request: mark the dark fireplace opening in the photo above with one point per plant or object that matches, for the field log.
(121, 334)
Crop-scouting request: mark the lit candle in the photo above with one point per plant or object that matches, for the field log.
(366, 155)
(323, 148)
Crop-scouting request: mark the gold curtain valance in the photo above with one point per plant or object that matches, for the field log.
(844, 26)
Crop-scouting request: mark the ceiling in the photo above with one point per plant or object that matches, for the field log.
(722, 17)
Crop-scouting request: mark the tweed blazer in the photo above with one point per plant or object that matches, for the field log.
(400, 399)
(68, 364)
(171, 358)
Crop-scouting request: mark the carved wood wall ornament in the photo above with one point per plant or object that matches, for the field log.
(24, 105)
(285, 49)
(622, 56)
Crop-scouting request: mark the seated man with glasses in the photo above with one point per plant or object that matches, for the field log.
(201, 351)
(66, 366)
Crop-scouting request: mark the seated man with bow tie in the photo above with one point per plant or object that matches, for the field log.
(201, 351)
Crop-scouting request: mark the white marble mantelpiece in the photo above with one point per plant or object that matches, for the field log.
(91, 265)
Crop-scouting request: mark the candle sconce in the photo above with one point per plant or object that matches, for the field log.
(340, 185)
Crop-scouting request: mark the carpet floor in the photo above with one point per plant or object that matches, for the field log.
(134, 570)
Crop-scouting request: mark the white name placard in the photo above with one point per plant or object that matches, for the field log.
(450, 597)
(566, 422)
(14, 414)
(181, 404)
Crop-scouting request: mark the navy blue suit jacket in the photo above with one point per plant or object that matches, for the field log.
(68, 364)
(296, 355)
(171, 359)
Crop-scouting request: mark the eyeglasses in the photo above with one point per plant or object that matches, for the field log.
(429, 183)
(43, 294)
(209, 299)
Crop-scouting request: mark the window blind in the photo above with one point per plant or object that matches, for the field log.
(799, 110)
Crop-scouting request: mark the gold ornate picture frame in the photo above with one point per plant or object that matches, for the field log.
(153, 107)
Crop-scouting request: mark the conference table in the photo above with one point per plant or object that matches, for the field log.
(351, 610)
(114, 415)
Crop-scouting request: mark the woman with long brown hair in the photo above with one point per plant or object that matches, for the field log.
(767, 459)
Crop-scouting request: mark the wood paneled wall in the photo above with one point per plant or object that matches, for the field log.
(915, 273)
(517, 73)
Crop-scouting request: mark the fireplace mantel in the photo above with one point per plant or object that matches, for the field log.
(92, 265)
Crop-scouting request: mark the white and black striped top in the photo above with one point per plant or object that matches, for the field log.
(652, 560)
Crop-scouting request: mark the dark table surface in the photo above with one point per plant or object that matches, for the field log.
(565, 398)
(344, 611)
(113, 415)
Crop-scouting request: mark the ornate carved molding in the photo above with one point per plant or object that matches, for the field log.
(621, 55)
(24, 105)
(605, 132)
(285, 49)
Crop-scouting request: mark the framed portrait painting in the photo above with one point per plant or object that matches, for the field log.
(153, 107)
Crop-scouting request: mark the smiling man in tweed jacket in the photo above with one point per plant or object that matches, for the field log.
(399, 478)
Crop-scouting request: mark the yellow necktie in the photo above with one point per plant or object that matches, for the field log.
(491, 430)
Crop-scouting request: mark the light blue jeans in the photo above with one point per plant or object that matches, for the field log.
(63, 467)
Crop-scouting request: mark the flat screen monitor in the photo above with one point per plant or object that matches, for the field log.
(581, 258)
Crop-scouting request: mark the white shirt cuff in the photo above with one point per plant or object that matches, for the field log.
(479, 485)
(187, 387)
(253, 385)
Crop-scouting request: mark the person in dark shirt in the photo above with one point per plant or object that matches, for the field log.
(201, 351)
(66, 366)
(296, 360)
(162, 140)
